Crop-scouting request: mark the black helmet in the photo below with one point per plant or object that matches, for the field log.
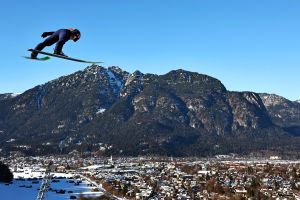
(76, 33)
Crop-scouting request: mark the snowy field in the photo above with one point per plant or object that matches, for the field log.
(24, 189)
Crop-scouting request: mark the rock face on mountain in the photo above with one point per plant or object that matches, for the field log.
(283, 112)
(110, 111)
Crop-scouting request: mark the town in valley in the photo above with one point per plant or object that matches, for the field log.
(220, 177)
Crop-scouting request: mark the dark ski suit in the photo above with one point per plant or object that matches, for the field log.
(61, 36)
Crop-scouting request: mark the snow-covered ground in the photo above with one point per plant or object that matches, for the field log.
(25, 189)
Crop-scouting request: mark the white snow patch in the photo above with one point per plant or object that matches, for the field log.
(102, 148)
(113, 80)
(11, 140)
(18, 191)
(193, 125)
(124, 94)
(278, 115)
(15, 94)
(100, 111)
(60, 126)
(191, 107)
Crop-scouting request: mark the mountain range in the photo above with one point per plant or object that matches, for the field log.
(108, 111)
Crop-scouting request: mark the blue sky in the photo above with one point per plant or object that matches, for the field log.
(249, 45)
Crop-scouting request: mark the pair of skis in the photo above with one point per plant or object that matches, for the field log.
(47, 57)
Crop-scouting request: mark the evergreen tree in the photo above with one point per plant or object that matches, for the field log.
(5, 173)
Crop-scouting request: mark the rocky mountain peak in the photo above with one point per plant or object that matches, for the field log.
(134, 77)
(181, 76)
(179, 113)
(272, 99)
(93, 69)
(282, 111)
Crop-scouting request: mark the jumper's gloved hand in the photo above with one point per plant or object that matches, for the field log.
(45, 34)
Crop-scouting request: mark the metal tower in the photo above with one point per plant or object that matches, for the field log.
(45, 183)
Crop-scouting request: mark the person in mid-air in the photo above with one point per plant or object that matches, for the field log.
(60, 37)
